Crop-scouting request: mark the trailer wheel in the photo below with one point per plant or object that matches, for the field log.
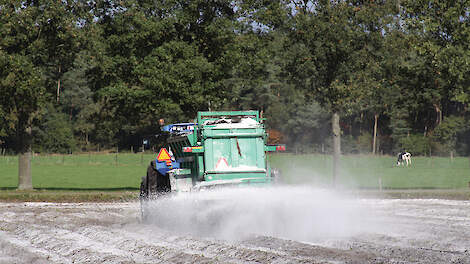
(276, 176)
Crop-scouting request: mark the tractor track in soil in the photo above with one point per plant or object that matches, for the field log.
(401, 231)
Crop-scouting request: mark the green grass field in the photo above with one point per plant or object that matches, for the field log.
(80, 171)
(365, 171)
(124, 171)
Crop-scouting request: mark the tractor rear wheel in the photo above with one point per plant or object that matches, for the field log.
(148, 190)
(157, 183)
(152, 180)
(152, 185)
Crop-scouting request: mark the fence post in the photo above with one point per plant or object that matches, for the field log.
(117, 151)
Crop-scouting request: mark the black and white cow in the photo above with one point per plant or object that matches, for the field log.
(404, 158)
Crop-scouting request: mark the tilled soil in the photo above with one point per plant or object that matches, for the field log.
(394, 231)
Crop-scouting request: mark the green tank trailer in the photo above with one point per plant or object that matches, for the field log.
(219, 149)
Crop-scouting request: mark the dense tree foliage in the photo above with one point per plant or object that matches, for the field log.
(80, 75)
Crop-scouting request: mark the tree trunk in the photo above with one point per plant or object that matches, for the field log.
(25, 181)
(360, 123)
(336, 146)
(376, 118)
(438, 114)
(58, 87)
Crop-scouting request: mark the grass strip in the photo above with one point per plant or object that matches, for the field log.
(67, 196)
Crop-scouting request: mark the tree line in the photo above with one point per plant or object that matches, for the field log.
(375, 76)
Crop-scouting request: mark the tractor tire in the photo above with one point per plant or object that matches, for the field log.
(152, 180)
(158, 184)
(148, 191)
(143, 188)
(152, 186)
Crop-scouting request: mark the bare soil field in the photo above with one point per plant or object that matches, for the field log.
(295, 225)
